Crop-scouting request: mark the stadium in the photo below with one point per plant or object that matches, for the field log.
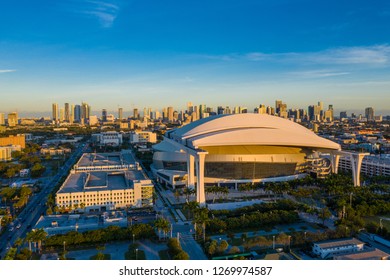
(239, 148)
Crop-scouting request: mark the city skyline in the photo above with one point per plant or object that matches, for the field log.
(138, 54)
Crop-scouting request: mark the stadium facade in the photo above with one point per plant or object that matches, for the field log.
(239, 148)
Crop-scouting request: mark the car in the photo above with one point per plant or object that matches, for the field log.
(18, 226)
(11, 229)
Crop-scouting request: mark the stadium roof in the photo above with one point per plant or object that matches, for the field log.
(248, 129)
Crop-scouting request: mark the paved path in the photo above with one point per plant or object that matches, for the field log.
(151, 249)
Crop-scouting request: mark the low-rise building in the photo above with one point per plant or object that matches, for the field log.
(109, 138)
(101, 182)
(330, 248)
(143, 137)
(367, 254)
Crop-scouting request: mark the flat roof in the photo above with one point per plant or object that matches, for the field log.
(338, 243)
(373, 254)
(101, 180)
(105, 159)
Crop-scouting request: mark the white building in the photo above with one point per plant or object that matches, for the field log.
(109, 138)
(331, 248)
(101, 182)
(143, 137)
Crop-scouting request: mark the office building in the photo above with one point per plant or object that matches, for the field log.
(120, 114)
(54, 109)
(2, 119)
(143, 137)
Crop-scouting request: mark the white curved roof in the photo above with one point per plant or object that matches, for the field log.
(249, 129)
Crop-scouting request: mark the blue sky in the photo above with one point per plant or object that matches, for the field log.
(149, 53)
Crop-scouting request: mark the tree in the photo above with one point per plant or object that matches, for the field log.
(191, 206)
(36, 235)
(222, 246)
(202, 217)
(162, 225)
(188, 192)
(181, 256)
(325, 214)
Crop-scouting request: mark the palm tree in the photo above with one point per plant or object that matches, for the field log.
(162, 225)
(202, 217)
(188, 192)
(191, 206)
(36, 235)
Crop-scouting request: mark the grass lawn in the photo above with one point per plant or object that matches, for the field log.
(376, 219)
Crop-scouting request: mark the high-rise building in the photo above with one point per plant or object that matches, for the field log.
(369, 112)
(220, 110)
(12, 119)
(104, 115)
(71, 114)
(62, 114)
(120, 114)
(85, 112)
(135, 114)
(343, 115)
(77, 113)
(190, 107)
(2, 119)
(67, 112)
(55, 112)
(170, 114)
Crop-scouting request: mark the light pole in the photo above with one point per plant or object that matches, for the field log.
(273, 242)
(380, 224)
(133, 237)
(289, 243)
(136, 253)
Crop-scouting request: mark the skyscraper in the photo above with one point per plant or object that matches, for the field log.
(77, 113)
(369, 112)
(2, 119)
(120, 114)
(85, 112)
(135, 113)
(170, 114)
(62, 114)
(55, 112)
(104, 115)
(67, 112)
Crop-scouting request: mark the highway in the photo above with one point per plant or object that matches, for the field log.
(36, 205)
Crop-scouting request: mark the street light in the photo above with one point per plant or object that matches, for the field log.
(136, 253)
(133, 237)
(380, 223)
(289, 243)
(273, 242)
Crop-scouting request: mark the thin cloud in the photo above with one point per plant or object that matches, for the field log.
(324, 73)
(377, 55)
(373, 55)
(7, 70)
(105, 12)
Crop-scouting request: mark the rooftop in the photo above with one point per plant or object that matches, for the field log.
(338, 243)
(371, 254)
(105, 159)
(96, 181)
(248, 129)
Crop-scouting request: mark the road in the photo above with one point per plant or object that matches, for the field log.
(36, 205)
